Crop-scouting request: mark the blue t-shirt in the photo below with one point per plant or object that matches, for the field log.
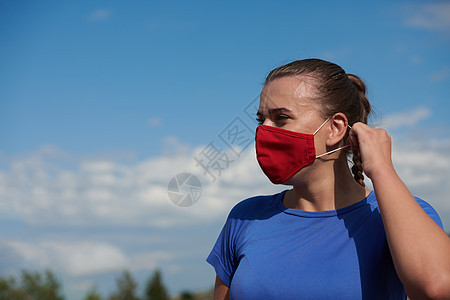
(268, 251)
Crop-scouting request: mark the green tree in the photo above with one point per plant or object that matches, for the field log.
(186, 296)
(155, 289)
(33, 286)
(126, 287)
(41, 287)
(92, 294)
(10, 290)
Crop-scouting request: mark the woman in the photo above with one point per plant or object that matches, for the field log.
(328, 237)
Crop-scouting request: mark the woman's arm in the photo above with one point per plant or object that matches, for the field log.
(221, 291)
(420, 249)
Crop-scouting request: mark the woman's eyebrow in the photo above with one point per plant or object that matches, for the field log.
(275, 110)
(279, 110)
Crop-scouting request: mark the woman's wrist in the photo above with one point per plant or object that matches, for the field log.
(383, 173)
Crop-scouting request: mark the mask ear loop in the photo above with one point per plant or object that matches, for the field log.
(332, 151)
(322, 125)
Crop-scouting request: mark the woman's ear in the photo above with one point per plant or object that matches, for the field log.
(338, 129)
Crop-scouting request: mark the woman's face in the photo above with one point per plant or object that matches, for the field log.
(290, 103)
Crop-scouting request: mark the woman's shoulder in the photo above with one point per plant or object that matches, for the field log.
(254, 207)
(430, 211)
(427, 207)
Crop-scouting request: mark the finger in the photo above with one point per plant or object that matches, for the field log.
(359, 133)
(360, 127)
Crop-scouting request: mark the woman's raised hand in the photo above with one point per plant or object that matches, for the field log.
(374, 145)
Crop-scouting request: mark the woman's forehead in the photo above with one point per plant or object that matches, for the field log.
(295, 85)
(293, 93)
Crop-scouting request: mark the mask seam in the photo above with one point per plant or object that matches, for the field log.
(306, 136)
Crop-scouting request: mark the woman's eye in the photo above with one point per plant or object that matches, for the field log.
(282, 118)
(279, 118)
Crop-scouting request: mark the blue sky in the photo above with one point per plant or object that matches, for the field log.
(102, 103)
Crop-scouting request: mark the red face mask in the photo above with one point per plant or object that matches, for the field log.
(281, 153)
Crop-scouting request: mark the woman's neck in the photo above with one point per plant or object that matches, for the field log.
(329, 187)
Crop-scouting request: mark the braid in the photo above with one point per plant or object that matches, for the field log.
(357, 168)
(365, 109)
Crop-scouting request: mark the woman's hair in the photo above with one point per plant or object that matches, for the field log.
(337, 92)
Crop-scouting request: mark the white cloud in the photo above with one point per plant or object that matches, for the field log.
(336, 54)
(154, 122)
(140, 228)
(150, 260)
(440, 75)
(405, 119)
(173, 147)
(416, 59)
(422, 162)
(74, 259)
(424, 166)
(79, 258)
(38, 191)
(432, 16)
(100, 14)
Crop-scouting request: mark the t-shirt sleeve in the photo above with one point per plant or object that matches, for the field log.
(226, 253)
(430, 211)
(222, 256)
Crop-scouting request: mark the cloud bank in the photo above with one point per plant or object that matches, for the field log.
(406, 118)
(431, 16)
(88, 217)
